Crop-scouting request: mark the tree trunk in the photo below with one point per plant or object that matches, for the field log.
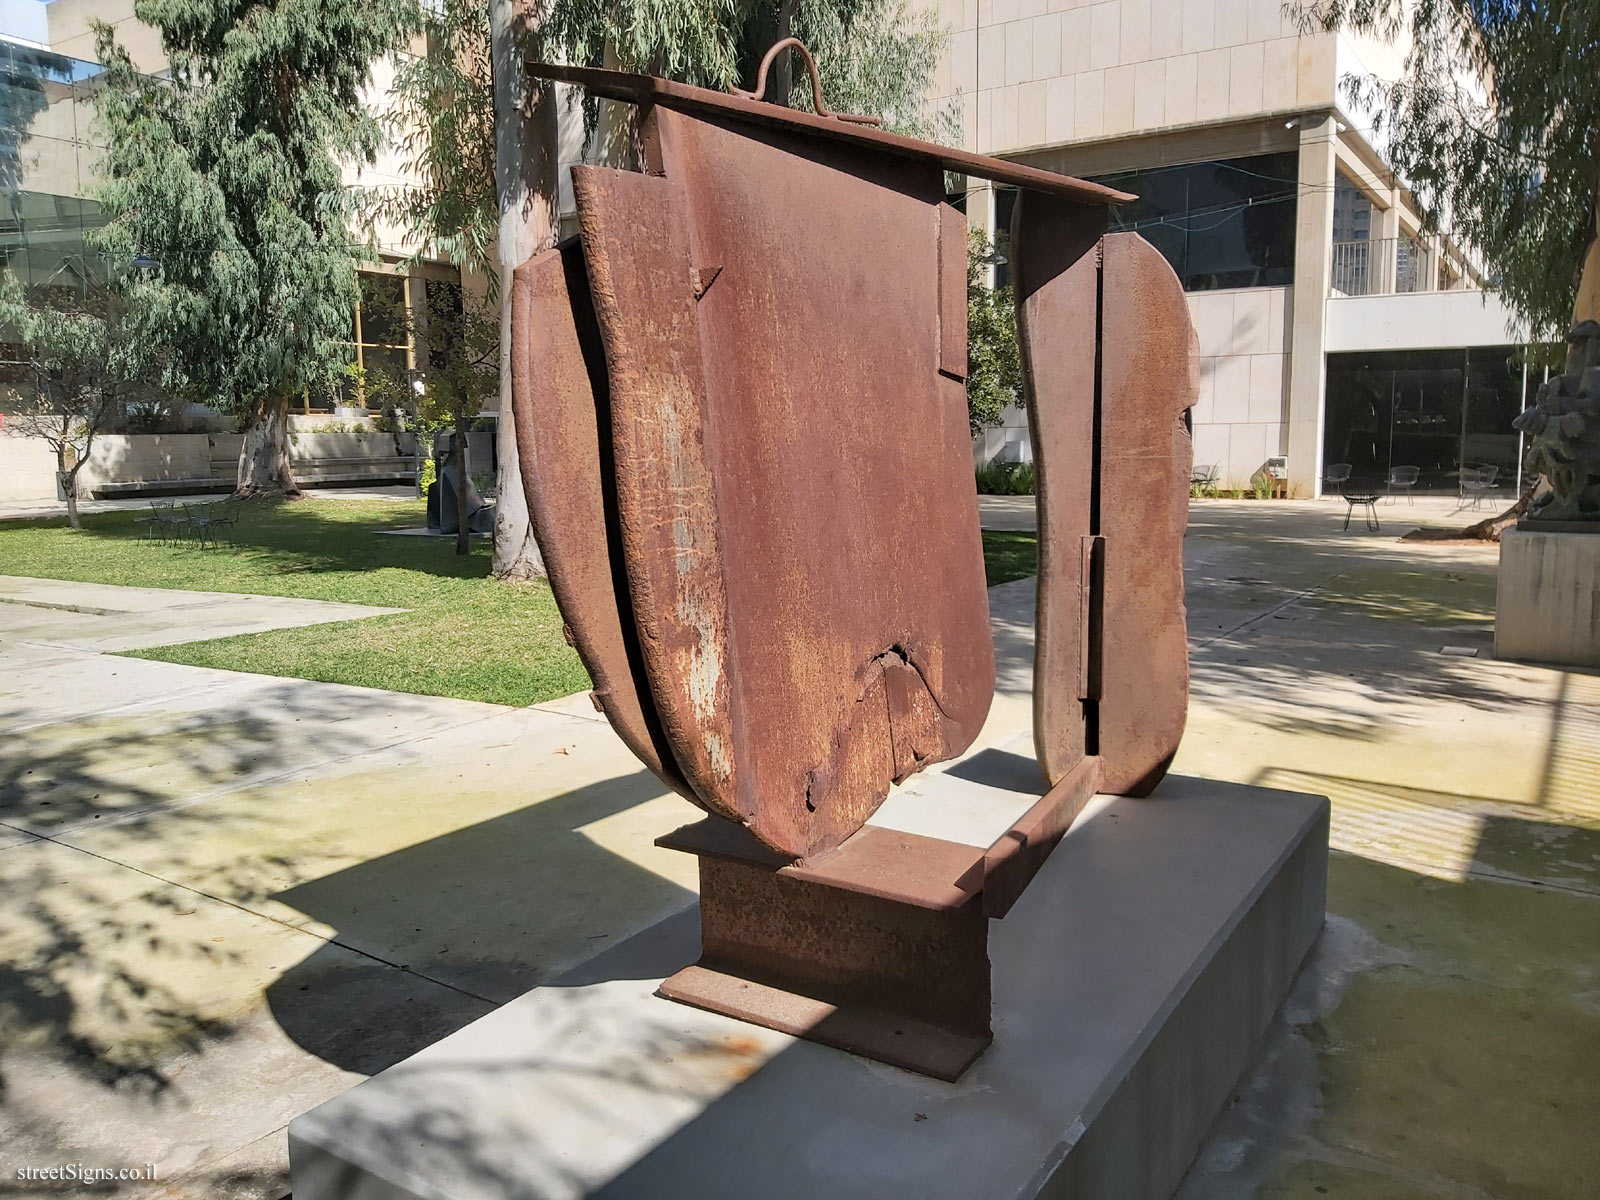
(69, 486)
(1490, 530)
(264, 468)
(1484, 531)
(463, 460)
(526, 175)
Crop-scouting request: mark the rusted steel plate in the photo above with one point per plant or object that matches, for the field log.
(857, 639)
(952, 292)
(1015, 858)
(1055, 246)
(906, 985)
(636, 244)
(563, 422)
(1149, 379)
(646, 90)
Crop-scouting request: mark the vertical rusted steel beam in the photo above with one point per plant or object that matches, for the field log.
(636, 244)
(563, 424)
(1055, 252)
(834, 441)
(1149, 379)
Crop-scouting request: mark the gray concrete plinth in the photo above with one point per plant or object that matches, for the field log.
(1132, 984)
(1547, 604)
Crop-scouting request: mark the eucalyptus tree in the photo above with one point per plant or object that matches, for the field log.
(228, 175)
(1494, 122)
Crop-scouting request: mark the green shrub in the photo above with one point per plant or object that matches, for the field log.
(1006, 479)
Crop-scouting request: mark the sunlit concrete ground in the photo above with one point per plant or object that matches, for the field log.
(224, 898)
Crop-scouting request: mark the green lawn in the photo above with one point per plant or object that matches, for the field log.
(464, 634)
(1009, 555)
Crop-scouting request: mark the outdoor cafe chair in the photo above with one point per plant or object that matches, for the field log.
(1363, 493)
(155, 525)
(204, 521)
(1203, 479)
(1334, 475)
(222, 517)
(164, 522)
(1478, 482)
(1401, 479)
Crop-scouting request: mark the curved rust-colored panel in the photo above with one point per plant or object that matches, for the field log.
(563, 422)
(1055, 246)
(637, 249)
(1150, 363)
(857, 627)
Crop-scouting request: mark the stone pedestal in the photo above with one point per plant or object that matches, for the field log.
(1132, 983)
(1547, 608)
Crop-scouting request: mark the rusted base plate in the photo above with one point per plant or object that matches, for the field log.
(872, 1033)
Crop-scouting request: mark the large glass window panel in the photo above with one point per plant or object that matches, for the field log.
(1494, 398)
(1223, 224)
(1005, 205)
(1427, 416)
(383, 306)
(1435, 410)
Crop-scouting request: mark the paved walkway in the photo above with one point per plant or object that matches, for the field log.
(106, 617)
(1394, 516)
(225, 897)
(34, 510)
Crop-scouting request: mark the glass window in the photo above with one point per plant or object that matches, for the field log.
(383, 308)
(382, 342)
(1005, 205)
(444, 320)
(1435, 410)
(1223, 224)
(1352, 212)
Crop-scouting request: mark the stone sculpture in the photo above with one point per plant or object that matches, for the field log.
(1563, 429)
(742, 429)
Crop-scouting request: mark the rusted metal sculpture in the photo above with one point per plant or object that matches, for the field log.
(1110, 365)
(742, 421)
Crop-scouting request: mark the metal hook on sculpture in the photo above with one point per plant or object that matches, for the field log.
(822, 110)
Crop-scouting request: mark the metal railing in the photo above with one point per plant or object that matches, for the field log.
(1385, 266)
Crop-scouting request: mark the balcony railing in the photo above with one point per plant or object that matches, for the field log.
(1385, 266)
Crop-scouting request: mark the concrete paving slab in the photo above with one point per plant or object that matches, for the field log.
(533, 831)
(172, 1029)
(107, 618)
(184, 734)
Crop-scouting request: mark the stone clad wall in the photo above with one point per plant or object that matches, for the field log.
(27, 465)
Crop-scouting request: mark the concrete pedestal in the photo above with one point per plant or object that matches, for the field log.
(1132, 984)
(1547, 608)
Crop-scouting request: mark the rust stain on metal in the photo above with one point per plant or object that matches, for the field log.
(637, 249)
(1056, 247)
(561, 396)
(1110, 367)
(1149, 380)
(817, 106)
(851, 661)
(1011, 863)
